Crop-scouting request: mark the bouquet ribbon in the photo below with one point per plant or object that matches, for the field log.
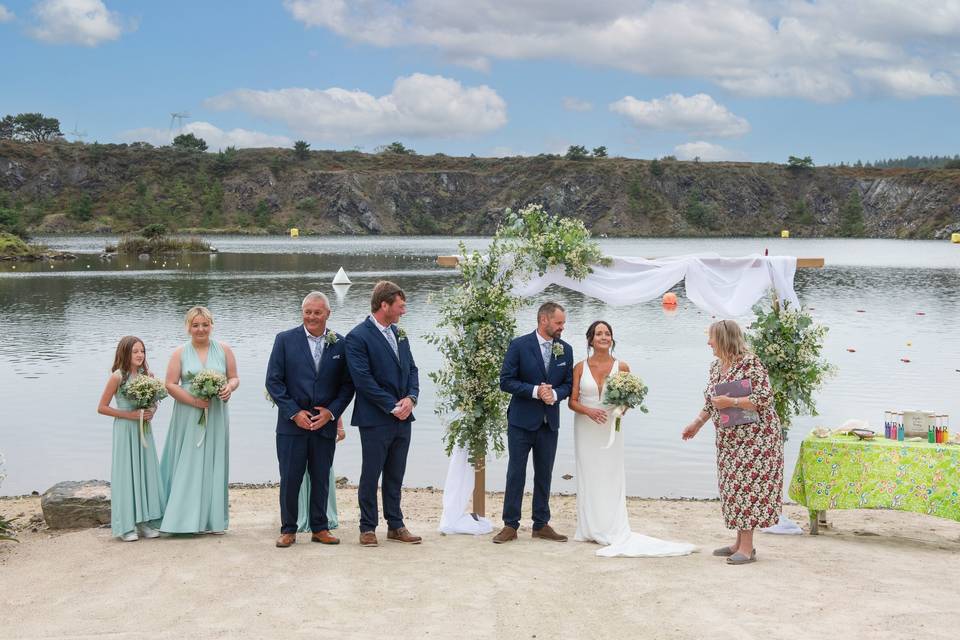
(617, 412)
(203, 425)
(143, 439)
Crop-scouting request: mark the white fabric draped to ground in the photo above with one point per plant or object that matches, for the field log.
(724, 287)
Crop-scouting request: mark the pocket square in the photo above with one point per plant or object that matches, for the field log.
(561, 364)
(336, 357)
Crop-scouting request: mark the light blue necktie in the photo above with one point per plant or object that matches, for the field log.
(392, 339)
(547, 346)
(317, 352)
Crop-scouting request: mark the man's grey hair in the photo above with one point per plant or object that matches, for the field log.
(315, 295)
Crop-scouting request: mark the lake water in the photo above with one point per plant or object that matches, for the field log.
(60, 324)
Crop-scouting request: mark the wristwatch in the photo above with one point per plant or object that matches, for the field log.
(413, 399)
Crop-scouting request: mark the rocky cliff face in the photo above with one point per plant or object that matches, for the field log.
(85, 188)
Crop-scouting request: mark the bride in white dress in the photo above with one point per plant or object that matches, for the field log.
(601, 482)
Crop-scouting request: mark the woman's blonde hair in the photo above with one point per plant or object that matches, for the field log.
(198, 312)
(728, 339)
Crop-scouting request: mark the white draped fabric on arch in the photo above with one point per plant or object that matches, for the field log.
(724, 287)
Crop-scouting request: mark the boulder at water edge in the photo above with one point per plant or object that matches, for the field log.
(76, 505)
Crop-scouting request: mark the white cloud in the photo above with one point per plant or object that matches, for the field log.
(698, 115)
(216, 138)
(705, 151)
(5, 14)
(83, 22)
(905, 82)
(814, 50)
(418, 106)
(575, 104)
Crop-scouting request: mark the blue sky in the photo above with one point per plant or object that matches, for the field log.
(838, 80)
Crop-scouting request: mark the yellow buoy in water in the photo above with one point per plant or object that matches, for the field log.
(784, 234)
(955, 238)
(294, 233)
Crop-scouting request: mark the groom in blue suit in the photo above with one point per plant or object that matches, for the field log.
(382, 368)
(538, 373)
(308, 380)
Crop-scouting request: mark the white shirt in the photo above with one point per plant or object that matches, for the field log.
(312, 340)
(379, 326)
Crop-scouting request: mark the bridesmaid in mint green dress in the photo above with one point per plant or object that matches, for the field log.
(137, 497)
(195, 465)
(303, 502)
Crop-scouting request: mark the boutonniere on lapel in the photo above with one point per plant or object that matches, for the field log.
(331, 338)
(557, 350)
(401, 334)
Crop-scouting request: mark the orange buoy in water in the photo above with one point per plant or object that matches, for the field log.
(669, 299)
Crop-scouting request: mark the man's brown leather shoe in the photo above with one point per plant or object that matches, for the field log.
(402, 535)
(368, 539)
(286, 539)
(324, 537)
(506, 535)
(547, 533)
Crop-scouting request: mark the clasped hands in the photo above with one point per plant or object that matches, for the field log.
(311, 422)
(546, 394)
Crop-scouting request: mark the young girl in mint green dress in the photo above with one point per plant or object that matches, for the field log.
(195, 465)
(137, 498)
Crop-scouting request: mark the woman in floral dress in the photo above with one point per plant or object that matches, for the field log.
(749, 456)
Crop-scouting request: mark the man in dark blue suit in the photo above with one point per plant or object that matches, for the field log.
(385, 375)
(308, 379)
(538, 372)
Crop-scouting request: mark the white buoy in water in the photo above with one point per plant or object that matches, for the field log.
(341, 277)
(341, 291)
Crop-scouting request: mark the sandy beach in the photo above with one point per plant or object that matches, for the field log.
(873, 574)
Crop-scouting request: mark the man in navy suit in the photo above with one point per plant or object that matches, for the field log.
(538, 372)
(385, 375)
(308, 379)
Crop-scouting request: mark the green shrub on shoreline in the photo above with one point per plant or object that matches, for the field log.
(15, 248)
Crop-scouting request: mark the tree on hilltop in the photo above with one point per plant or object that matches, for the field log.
(398, 148)
(35, 127)
(600, 152)
(301, 149)
(796, 164)
(576, 152)
(189, 142)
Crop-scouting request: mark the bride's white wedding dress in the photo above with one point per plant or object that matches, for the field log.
(601, 485)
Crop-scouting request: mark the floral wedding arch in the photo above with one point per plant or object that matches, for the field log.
(532, 250)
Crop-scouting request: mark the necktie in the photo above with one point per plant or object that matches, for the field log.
(392, 339)
(317, 352)
(547, 346)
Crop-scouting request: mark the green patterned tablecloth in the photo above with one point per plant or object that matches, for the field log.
(842, 472)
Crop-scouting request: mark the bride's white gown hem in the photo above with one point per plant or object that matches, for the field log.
(601, 485)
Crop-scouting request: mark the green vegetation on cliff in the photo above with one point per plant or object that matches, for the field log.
(88, 188)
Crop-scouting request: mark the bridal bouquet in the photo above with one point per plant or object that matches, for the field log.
(144, 391)
(206, 385)
(624, 391)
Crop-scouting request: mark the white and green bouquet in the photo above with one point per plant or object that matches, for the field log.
(144, 391)
(206, 384)
(624, 391)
